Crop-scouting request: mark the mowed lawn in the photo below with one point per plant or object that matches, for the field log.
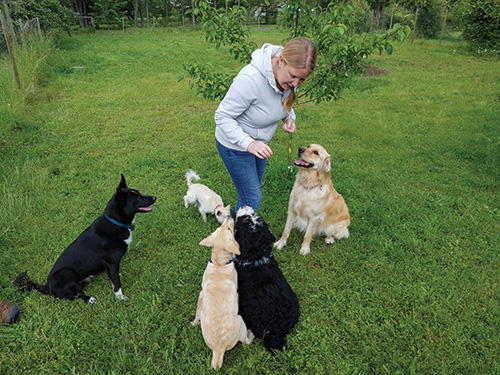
(415, 153)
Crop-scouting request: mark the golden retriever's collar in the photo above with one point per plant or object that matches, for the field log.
(231, 261)
(320, 187)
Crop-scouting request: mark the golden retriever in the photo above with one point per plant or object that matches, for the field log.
(315, 207)
(217, 309)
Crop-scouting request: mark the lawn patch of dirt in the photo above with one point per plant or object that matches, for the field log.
(372, 71)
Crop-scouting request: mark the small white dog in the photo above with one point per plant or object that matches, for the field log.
(207, 200)
(217, 310)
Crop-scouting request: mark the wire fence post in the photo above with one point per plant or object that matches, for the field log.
(4, 20)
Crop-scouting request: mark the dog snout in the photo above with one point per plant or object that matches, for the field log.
(301, 151)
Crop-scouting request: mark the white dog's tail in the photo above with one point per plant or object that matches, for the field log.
(190, 176)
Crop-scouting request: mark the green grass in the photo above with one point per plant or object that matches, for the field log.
(415, 153)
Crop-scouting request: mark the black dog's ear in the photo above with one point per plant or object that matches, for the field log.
(120, 195)
(123, 183)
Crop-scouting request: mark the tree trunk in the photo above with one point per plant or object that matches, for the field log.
(80, 9)
(248, 11)
(182, 13)
(136, 10)
(147, 12)
(443, 26)
(414, 26)
(141, 13)
(193, 17)
(166, 12)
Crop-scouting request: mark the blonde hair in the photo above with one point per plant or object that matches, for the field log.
(298, 53)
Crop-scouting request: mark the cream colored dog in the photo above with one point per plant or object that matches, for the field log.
(315, 207)
(207, 200)
(217, 309)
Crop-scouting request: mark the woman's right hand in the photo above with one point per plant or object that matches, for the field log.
(260, 149)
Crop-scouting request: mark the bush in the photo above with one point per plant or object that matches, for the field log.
(428, 23)
(51, 13)
(480, 23)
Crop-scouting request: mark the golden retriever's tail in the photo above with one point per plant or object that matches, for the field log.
(190, 176)
(341, 230)
(217, 358)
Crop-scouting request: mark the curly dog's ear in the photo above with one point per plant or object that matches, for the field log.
(267, 236)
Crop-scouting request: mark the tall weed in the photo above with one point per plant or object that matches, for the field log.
(31, 53)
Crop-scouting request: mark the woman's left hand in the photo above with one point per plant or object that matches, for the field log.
(289, 125)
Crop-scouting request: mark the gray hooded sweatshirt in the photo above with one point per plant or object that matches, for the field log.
(253, 105)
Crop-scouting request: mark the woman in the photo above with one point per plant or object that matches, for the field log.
(261, 95)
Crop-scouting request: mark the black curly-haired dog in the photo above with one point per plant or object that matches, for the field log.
(267, 303)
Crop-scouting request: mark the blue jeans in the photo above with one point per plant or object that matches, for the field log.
(247, 172)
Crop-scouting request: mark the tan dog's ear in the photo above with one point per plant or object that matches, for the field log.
(327, 164)
(209, 241)
(232, 247)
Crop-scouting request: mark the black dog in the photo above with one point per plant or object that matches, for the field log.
(267, 304)
(99, 248)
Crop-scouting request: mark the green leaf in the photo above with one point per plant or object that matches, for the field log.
(388, 48)
(401, 35)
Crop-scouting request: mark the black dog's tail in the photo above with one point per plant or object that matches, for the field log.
(274, 343)
(26, 285)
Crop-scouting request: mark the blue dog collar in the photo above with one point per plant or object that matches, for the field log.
(131, 227)
(231, 261)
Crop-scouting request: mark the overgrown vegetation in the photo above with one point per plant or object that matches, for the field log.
(431, 17)
(341, 48)
(415, 153)
(51, 14)
(480, 22)
(23, 64)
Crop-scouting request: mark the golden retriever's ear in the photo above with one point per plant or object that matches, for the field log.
(209, 241)
(327, 164)
(232, 247)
